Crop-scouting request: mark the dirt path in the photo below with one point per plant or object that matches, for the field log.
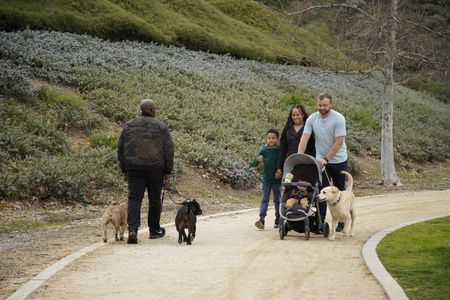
(231, 259)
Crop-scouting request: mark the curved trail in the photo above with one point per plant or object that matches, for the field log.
(231, 259)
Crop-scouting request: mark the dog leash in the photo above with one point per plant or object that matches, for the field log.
(170, 197)
(330, 181)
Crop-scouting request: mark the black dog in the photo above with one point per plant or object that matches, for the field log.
(187, 218)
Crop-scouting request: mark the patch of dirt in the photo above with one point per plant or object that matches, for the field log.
(35, 235)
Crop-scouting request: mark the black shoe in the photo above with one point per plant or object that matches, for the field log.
(340, 227)
(157, 234)
(132, 237)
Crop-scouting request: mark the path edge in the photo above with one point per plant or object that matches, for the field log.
(389, 284)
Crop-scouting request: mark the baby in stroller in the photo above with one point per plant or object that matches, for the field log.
(298, 201)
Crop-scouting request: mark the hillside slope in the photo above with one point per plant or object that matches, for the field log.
(56, 86)
(242, 28)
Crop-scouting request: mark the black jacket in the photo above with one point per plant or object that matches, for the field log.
(289, 145)
(145, 144)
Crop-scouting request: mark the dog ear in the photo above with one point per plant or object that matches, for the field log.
(334, 189)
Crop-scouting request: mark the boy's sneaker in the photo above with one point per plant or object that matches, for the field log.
(157, 234)
(132, 237)
(259, 224)
(276, 225)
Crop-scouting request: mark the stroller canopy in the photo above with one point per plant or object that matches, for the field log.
(304, 167)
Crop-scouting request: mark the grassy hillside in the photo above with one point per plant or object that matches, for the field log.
(65, 97)
(242, 28)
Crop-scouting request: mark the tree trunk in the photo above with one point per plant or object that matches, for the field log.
(387, 144)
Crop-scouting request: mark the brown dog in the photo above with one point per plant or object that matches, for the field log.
(186, 219)
(341, 205)
(117, 215)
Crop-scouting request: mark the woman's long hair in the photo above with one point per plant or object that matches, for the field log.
(290, 122)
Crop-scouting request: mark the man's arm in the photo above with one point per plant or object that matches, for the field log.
(303, 142)
(339, 141)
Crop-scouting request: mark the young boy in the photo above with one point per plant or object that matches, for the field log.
(269, 156)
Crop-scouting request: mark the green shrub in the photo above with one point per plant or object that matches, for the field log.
(78, 177)
(108, 139)
(439, 90)
(56, 97)
(28, 132)
(14, 82)
(297, 98)
(364, 118)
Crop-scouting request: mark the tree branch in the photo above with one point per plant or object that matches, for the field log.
(329, 5)
(421, 26)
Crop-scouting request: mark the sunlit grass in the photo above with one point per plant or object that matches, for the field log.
(418, 257)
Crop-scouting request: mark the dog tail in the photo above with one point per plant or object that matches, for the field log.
(348, 181)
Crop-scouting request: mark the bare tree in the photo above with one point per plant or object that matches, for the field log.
(373, 41)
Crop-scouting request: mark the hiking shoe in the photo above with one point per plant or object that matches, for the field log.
(132, 237)
(259, 224)
(340, 227)
(157, 234)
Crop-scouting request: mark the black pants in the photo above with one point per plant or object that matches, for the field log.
(138, 181)
(334, 172)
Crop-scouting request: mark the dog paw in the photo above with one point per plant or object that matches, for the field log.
(331, 238)
(179, 241)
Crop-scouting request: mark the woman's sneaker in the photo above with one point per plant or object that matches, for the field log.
(259, 224)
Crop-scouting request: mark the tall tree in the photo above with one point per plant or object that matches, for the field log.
(369, 34)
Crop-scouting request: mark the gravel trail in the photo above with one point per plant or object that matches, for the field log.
(231, 259)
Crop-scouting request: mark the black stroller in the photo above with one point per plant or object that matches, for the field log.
(302, 177)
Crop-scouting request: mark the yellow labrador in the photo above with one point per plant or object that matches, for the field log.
(341, 205)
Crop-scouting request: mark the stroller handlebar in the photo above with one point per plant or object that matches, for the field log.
(298, 183)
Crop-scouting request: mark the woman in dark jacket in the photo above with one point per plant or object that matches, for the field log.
(290, 137)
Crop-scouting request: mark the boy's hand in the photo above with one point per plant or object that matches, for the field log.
(260, 158)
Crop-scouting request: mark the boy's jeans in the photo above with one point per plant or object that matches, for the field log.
(267, 187)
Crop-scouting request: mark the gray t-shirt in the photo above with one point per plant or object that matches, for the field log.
(325, 132)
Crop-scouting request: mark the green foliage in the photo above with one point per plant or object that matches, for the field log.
(243, 28)
(76, 177)
(363, 118)
(56, 97)
(108, 139)
(27, 132)
(14, 82)
(217, 107)
(440, 91)
(418, 256)
(297, 98)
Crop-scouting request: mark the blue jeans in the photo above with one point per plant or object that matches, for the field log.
(267, 188)
(334, 172)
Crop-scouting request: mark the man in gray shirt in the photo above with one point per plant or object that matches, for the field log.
(329, 131)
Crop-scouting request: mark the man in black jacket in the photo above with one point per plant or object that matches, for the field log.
(145, 153)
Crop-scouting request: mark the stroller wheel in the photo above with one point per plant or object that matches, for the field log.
(281, 230)
(286, 227)
(307, 231)
(326, 229)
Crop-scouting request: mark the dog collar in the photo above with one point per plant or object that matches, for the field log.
(338, 200)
